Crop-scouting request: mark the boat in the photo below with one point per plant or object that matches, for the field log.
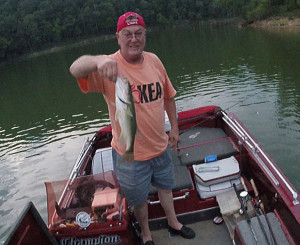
(228, 189)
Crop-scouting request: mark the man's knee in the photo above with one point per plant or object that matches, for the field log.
(164, 194)
(164, 191)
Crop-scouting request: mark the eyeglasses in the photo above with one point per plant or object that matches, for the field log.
(129, 36)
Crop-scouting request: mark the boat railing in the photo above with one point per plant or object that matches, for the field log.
(76, 169)
(255, 149)
(184, 196)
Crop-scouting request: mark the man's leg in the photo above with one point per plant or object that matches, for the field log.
(166, 201)
(141, 214)
(175, 227)
(135, 180)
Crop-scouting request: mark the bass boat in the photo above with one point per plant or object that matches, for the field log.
(228, 190)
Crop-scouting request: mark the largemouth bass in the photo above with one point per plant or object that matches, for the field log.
(125, 115)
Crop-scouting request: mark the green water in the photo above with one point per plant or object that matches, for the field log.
(44, 118)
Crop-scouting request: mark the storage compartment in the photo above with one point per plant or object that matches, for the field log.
(217, 177)
(216, 172)
(216, 189)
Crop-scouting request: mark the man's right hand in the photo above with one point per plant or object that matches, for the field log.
(107, 67)
(84, 65)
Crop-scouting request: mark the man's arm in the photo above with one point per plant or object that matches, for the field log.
(170, 107)
(84, 65)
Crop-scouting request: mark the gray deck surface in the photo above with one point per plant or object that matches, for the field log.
(207, 233)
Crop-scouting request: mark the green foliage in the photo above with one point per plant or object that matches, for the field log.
(29, 25)
(258, 9)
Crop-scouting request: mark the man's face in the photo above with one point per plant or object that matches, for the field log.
(132, 40)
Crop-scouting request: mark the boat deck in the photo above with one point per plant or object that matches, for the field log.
(207, 233)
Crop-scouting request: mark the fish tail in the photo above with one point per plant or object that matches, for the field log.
(127, 157)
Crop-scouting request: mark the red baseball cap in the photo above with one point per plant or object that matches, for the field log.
(129, 19)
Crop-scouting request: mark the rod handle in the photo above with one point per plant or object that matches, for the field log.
(261, 205)
(254, 188)
(244, 185)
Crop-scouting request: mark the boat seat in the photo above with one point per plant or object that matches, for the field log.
(183, 180)
(197, 143)
(102, 160)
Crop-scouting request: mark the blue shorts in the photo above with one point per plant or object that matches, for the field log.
(135, 178)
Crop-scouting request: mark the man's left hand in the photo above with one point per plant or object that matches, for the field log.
(173, 138)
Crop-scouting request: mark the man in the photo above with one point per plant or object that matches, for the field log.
(152, 93)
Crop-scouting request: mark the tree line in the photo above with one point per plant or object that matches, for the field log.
(29, 25)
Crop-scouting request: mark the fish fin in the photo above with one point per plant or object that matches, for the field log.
(122, 138)
(127, 157)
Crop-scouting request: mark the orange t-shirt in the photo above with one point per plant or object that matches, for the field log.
(150, 85)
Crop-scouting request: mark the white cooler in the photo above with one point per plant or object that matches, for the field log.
(217, 177)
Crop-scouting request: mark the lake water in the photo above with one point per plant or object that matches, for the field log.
(44, 118)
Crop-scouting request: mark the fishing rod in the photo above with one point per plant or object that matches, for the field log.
(219, 110)
(261, 207)
(256, 213)
(199, 123)
(255, 149)
(245, 213)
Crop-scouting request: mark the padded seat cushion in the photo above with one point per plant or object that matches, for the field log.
(197, 143)
(183, 180)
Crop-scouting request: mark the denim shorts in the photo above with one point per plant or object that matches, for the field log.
(135, 178)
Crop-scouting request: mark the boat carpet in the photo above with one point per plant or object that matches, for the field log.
(207, 233)
(197, 143)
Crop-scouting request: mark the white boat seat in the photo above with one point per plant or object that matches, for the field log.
(102, 160)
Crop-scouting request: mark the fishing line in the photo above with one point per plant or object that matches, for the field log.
(237, 103)
(212, 117)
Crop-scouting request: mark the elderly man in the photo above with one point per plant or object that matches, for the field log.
(152, 93)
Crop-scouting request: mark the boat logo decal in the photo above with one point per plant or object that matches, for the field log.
(193, 136)
(103, 239)
(83, 219)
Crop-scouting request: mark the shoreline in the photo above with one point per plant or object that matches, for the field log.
(271, 23)
(277, 22)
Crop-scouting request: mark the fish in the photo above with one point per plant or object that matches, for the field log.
(125, 115)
